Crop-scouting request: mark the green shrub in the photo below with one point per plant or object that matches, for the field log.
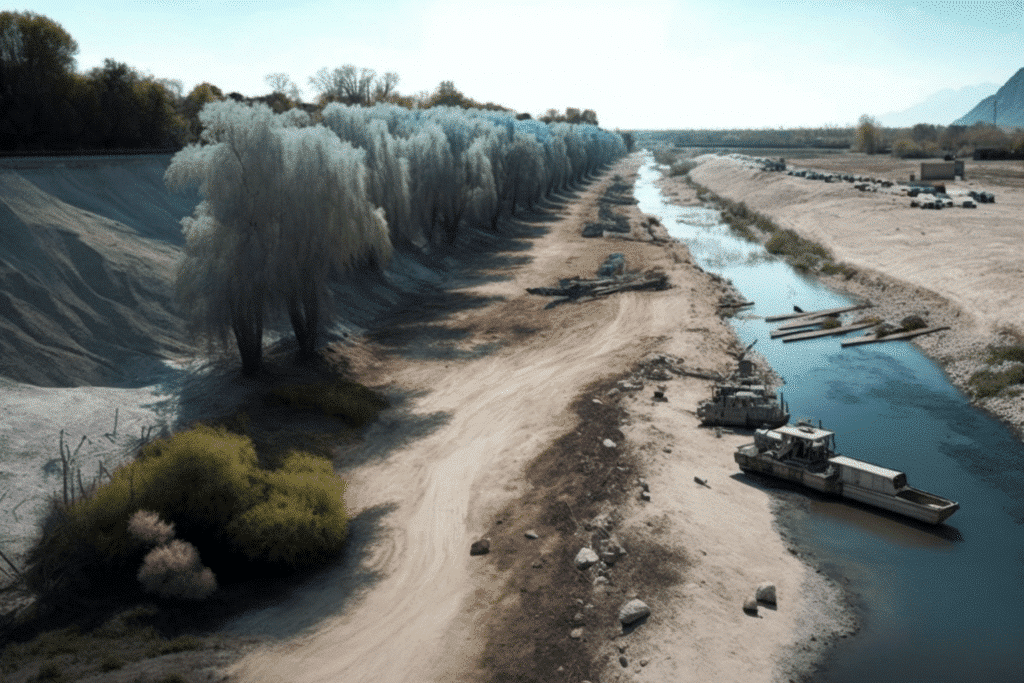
(301, 521)
(987, 383)
(998, 354)
(206, 481)
(830, 323)
(682, 167)
(339, 397)
(803, 254)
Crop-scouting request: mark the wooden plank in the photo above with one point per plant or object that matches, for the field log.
(775, 334)
(826, 333)
(871, 338)
(803, 322)
(812, 314)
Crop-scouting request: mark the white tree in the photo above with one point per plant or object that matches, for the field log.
(282, 208)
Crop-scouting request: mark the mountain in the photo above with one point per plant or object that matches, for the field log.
(1007, 105)
(939, 108)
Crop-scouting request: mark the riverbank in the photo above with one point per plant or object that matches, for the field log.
(956, 267)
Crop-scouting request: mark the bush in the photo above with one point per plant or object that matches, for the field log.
(998, 354)
(49, 672)
(147, 527)
(987, 383)
(682, 167)
(111, 663)
(301, 521)
(802, 253)
(339, 397)
(174, 571)
(207, 482)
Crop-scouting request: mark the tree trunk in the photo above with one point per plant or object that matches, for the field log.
(304, 311)
(248, 331)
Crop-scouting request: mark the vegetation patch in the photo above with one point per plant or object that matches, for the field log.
(802, 254)
(338, 397)
(988, 383)
(1000, 354)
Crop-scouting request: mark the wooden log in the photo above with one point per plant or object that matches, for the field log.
(813, 314)
(826, 333)
(804, 322)
(872, 338)
(775, 334)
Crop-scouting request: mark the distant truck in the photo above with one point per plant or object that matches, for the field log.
(942, 170)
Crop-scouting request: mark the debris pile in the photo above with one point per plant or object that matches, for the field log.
(612, 277)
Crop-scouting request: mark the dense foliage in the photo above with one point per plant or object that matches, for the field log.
(288, 206)
(45, 104)
(206, 482)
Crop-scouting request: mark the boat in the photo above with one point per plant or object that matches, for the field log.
(806, 455)
(744, 399)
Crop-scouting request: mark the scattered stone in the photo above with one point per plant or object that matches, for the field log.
(586, 558)
(481, 547)
(750, 605)
(623, 646)
(660, 396)
(766, 593)
(667, 449)
(702, 482)
(633, 611)
(538, 564)
(608, 443)
(576, 633)
(623, 661)
(645, 496)
(531, 534)
(644, 662)
(578, 617)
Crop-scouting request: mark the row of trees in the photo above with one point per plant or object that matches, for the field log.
(289, 206)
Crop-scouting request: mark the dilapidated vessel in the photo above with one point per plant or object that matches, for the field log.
(744, 399)
(806, 455)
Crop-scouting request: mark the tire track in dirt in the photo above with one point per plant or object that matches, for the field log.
(503, 410)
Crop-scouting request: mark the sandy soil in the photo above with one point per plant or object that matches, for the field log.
(957, 267)
(483, 383)
(422, 619)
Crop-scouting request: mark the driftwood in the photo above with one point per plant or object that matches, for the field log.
(578, 288)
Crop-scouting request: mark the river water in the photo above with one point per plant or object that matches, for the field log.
(938, 604)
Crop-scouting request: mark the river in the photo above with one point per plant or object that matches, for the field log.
(938, 604)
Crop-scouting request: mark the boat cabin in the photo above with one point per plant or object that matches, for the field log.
(803, 443)
(869, 476)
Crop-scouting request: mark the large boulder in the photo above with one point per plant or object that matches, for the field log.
(481, 547)
(633, 611)
(750, 605)
(586, 558)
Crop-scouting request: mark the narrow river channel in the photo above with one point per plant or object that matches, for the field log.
(939, 604)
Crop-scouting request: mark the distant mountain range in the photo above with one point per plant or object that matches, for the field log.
(1005, 107)
(941, 107)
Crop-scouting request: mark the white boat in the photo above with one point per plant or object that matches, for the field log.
(806, 455)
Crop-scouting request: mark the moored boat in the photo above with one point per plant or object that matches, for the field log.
(806, 455)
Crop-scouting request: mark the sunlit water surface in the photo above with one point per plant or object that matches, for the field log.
(939, 604)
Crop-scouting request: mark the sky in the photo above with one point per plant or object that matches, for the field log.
(639, 64)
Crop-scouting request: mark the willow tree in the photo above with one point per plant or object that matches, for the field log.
(283, 209)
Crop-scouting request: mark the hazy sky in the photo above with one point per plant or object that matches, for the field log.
(637, 63)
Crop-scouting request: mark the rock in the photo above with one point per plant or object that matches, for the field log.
(750, 605)
(576, 633)
(538, 564)
(598, 402)
(644, 662)
(702, 482)
(667, 449)
(660, 396)
(600, 580)
(623, 661)
(586, 558)
(633, 611)
(766, 593)
(531, 534)
(608, 443)
(578, 617)
(623, 646)
(645, 495)
(481, 547)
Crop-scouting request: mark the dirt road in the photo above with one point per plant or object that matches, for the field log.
(495, 413)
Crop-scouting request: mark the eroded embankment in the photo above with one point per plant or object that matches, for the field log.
(957, 267)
